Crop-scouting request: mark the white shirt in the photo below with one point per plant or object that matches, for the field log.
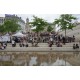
(51, 39)
(13, 41)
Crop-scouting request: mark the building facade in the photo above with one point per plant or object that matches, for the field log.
(27, 26)
(2, 20)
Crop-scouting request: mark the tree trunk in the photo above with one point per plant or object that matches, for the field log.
(65, 33)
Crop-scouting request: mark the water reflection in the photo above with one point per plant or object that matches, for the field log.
(33, 61)
(40, 59)
(61, 62)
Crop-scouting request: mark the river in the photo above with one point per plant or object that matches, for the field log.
(39, 58)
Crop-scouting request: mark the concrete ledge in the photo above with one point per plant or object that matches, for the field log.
(40, 49)
(45, 45)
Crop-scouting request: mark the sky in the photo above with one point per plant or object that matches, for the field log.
(47, 17)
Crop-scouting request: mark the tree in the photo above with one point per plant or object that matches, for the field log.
(49, 29)
(11, 26)
(2, 28)
(39, 23)
(65, 21)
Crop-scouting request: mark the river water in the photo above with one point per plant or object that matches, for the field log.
(39, 58)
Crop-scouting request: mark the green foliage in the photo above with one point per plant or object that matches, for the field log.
(2, 28)
(49, 29)
(11, 26)
(65, 21)
(39, 23)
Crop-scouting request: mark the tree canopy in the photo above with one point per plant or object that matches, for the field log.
(65, 21)
(49, 28)
(2, 28)
(39, 23)
(9, 26)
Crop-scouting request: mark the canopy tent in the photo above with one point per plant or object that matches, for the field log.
(33, 28)
(4, 38)
(6, 34)
(19, 35)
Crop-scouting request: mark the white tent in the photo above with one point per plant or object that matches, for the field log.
(33, 28)
(4, 38)
(7, 34)
(19, 34)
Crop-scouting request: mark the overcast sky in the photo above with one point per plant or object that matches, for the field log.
(48, 17)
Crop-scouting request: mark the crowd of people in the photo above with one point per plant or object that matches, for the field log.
(45, 37)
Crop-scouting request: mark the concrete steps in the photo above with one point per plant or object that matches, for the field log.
(40, 49)
(44, 45)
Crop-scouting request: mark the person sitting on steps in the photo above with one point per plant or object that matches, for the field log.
(74, 46)
(77, 46)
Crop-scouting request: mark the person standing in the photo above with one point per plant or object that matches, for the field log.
(13, 43)
(64, 40)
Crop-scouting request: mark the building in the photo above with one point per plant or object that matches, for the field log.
(27, 27)
(2, 20)
(18, 19)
